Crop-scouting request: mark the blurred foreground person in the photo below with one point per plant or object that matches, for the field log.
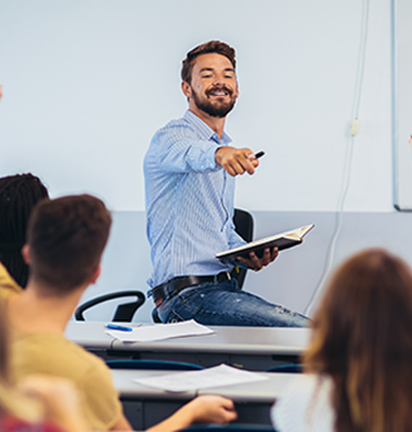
(39, 404)
(66, 238)
(358, 366)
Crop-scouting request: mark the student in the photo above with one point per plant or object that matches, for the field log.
(40, 404)
(65, 241)
(18, 195)
(358, 366)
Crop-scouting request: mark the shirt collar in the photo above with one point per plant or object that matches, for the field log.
(204, 130)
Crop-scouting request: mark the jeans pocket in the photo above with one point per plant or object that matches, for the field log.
(174, 317)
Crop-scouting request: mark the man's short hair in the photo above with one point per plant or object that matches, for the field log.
(67, 237)
(206, 48)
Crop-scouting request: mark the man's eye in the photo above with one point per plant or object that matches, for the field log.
(207, 76)
(229, 76)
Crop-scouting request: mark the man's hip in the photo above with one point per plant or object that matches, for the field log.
(172, 287)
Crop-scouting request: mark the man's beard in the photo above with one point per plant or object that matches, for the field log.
(219, 110)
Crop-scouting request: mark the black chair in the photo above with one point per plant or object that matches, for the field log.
(289, 368)
(124, 312)
(243, 222)
(152, 365)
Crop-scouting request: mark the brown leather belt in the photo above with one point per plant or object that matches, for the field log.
(170, 288)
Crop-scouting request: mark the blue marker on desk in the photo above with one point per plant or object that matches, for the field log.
(118, 327)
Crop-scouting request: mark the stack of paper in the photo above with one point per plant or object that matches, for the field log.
(161, 331)
(216, 376)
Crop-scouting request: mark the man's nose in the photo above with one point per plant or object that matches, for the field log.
(219, 81)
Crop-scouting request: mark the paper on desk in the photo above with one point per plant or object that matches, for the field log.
(217, 376)
(161, 331)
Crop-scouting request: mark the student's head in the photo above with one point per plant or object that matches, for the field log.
(65, 241)
(209, 78)
(18, 195)
(362, 337)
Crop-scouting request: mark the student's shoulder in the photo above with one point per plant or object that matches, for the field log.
(175, 128)
(7, 284)
(306, 400)
(52, 351)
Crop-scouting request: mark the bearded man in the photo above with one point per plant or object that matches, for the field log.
(190, 171)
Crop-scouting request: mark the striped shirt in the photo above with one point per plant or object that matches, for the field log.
(189, 201)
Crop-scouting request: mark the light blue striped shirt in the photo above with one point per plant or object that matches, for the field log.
(189, 201)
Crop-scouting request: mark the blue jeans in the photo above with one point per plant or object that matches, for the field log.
(225, 304)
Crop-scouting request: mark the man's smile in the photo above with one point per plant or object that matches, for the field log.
(219, 92)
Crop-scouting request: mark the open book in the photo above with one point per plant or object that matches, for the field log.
(282, 241)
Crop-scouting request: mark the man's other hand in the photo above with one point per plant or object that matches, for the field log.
(256, 263)
(236, 161)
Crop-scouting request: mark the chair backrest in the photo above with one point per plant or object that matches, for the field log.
(152, 365)
(124, 312)
(243, 221)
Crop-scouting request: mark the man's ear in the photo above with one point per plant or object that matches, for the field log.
(95, 275)
(25, 252)
(187, 89)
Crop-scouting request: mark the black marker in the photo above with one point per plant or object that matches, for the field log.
(259, 154)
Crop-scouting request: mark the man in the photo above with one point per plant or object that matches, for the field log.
(65, 241)
(189, 173)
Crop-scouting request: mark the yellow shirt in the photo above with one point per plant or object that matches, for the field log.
(7, 284)
(53, 354)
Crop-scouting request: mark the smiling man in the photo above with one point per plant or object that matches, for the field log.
(190, 171)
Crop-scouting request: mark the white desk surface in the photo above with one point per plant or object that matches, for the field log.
(256, 392)
(234, 340)
(89, 334)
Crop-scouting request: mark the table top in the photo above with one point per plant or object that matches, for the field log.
(257, 392)
(235, 340)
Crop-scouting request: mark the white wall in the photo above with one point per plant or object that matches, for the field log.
(87, 82)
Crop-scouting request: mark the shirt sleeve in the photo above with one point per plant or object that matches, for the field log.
(177, 148)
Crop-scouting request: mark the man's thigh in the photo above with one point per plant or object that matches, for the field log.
(225, 304)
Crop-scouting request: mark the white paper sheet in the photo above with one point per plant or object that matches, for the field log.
(161, 331)
(217, 376)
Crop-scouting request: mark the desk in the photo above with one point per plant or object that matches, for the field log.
(146, 406)
(253, 348)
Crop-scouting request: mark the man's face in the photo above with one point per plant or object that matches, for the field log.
(214, 87)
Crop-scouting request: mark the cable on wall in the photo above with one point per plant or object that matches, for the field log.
(347, 167)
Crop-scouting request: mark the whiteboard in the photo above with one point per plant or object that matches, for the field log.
(402, 106)
(88, 82)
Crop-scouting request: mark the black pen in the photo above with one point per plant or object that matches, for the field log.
(259, 154)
